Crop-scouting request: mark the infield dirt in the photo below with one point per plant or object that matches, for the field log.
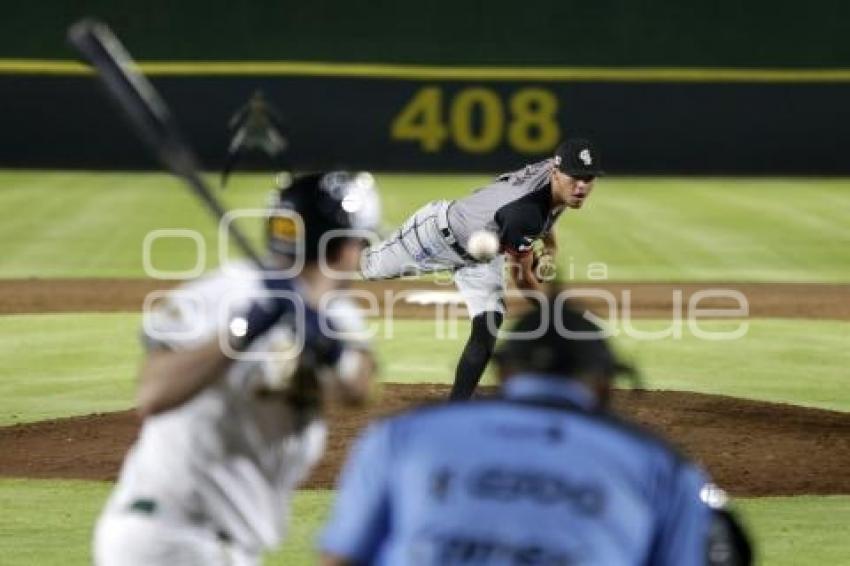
(751, 448)
(647, 300)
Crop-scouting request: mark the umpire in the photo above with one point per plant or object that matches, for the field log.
(542, 475)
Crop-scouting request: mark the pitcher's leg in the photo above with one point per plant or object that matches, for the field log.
(477, 352)
(482, 287)
(386, 260)
(408, 251)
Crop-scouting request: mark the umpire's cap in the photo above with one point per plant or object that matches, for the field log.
(335, 200)
(567, 344)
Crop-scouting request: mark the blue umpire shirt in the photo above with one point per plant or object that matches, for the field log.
(534, 478)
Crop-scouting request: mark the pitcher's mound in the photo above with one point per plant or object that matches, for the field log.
(749, 447)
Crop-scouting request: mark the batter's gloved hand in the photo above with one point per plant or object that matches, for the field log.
(263, 314)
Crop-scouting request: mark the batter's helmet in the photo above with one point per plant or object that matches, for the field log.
(336, 200)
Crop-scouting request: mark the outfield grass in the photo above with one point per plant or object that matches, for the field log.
(81, 224)
(65, 364)
(49, 523)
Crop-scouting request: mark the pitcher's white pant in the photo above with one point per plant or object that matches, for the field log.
(419, 247)
(133, 539)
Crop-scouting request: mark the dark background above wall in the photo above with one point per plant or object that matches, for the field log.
(704, 33)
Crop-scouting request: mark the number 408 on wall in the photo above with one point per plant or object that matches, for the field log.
(479, 120)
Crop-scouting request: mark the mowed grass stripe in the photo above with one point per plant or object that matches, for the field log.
(83, 224)
(71, 364)
(702, 229)
(60, 365)
(98, 228)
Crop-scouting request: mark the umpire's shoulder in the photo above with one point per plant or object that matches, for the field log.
(417, 419)
(428, 410)
(639, 435)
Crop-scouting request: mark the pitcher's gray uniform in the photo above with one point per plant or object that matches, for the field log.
(209, 482)
(516, 206)
(519, 207)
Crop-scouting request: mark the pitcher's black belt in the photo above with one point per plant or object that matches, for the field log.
(449, 237)
(453, 243)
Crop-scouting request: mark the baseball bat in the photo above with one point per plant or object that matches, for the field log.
(148, 114)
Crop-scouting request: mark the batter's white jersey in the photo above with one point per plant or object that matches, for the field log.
(227, 460)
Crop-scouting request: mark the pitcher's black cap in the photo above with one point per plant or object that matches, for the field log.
(578, 157)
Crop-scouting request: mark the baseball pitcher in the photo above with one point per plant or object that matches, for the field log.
(518, 208)
(231, 388)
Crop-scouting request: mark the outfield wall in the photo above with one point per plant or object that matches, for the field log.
(416, 118)
(709, 86)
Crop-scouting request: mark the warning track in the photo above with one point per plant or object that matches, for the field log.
(647, 300)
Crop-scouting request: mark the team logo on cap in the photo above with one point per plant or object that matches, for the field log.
(585, 157)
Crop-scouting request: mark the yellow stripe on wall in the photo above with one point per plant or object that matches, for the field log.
(440, 73)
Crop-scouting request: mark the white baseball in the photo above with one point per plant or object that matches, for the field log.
(483, 245)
